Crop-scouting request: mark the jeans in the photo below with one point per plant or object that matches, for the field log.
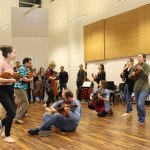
(127, 96)
(58, 120)
(140, 97)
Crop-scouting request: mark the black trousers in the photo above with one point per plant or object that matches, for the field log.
(8, 102)
(50, 99)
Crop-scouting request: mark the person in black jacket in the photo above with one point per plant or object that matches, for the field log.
(81, 76)
(101, 75)
(129, 84)
(63, 79)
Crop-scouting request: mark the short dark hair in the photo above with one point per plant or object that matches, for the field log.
(6, 50)
(68, 94)
(26, 60)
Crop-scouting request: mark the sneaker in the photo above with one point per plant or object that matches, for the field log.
(33, 131)
(44, 133)
(19, 121)
(125, 114)
(9, 139)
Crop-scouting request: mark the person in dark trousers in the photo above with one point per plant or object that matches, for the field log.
(81, 76)
(140, 73)
(7, 91)
(63, 79)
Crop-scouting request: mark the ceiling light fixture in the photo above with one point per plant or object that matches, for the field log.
(35, 6)
(122, 0)
(4, 27)
(78, 18)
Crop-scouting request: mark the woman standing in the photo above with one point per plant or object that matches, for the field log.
(101, 75)
(129, 83)
(7, 90)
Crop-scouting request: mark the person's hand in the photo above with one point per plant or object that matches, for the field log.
(133, 73)
(139, 67)
(91, 97)
(53, 110)
(12, 80)
(67, 109)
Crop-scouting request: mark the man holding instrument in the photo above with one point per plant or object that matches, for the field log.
(100, 100)
(20, 90)
(67, 122)
(140, 73)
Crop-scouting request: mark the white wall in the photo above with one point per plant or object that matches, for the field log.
(36, 48)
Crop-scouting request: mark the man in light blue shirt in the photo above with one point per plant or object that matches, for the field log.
(67, 122)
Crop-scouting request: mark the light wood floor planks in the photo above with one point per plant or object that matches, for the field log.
(94, 133)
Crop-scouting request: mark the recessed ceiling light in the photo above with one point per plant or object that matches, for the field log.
(78, 18)
(122, 0)
(4, 27)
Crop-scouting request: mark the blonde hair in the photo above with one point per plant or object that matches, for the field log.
(52, 64)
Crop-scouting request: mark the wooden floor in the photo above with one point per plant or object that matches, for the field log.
(94, 133)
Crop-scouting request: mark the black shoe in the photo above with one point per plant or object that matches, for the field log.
(33, 131)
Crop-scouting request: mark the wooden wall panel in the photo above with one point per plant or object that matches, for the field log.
(144, 23)
(94, 41)
(122, 35)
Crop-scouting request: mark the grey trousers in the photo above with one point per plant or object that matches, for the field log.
(22, 98)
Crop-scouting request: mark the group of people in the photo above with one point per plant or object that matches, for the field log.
(65, 114)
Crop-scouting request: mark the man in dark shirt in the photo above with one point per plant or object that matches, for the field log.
(80, 79)
(63, 79)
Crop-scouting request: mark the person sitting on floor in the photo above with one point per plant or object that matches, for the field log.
(65, 115)
(100, 100)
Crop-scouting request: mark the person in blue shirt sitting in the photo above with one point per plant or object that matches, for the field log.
(65, 115)
(100, 100)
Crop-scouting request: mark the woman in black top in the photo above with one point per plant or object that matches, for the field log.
(101, 74)
(129, 83)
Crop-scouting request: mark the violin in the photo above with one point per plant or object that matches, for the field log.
(7, 75)
(29, 75)
(62, 111)
(96, 96)
(137, 71)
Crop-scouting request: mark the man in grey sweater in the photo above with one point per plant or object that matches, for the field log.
(140, 73)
